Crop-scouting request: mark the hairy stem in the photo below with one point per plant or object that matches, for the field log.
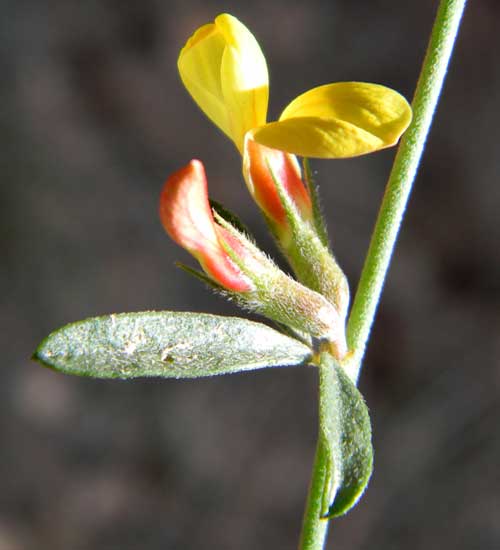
(401, 179)
(314, 528)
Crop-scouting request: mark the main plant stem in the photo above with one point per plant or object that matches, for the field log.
(401, 179)
(444, 32)
(315, 525)
(314, 528)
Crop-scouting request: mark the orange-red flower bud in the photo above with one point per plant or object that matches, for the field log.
(263, 169)
(187, 217)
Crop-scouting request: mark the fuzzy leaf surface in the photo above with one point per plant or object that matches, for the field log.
(168, 345)
(346, 429)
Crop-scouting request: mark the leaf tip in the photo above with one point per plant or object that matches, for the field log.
(43, 355)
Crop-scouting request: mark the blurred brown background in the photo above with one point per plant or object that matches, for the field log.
(92, 119)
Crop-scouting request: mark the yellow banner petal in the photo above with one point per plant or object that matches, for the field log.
(224, 70)
(244, 78)
(199, 66)
(344, 119)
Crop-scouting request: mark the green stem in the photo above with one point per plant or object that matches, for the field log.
(315, 529)
(401, 179)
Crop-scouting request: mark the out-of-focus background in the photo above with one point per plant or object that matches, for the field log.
(92, 119)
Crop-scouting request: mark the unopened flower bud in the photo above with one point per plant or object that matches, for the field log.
(187, 217)
(270, 174)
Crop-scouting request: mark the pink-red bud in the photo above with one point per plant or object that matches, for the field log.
(187, 217)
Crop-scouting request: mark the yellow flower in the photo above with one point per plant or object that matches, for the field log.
(223, 68)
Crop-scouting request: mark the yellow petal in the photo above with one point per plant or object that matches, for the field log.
(244, 78)
(339, 120)
(224, 70)
(199, 67)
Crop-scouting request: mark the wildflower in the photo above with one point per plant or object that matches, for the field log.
(224, 70)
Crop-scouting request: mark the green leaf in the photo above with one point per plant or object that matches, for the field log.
(200, 275)
(346, 430)
(230, 217)
(167, 345)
